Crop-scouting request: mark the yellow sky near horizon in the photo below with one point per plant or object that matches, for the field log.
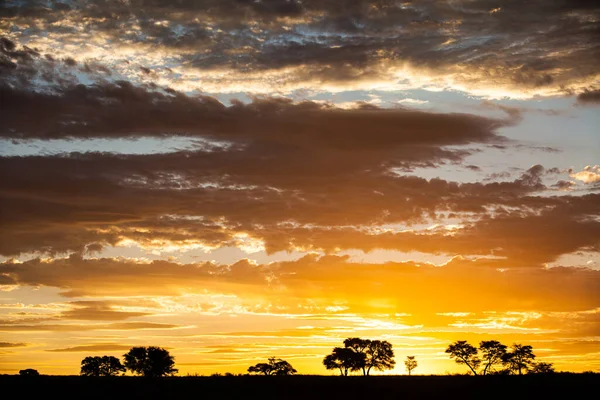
(216, 322)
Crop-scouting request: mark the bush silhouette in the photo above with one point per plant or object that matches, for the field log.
(29, 372)
(542, 368)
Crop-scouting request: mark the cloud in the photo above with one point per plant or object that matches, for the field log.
(92, 347)
(318, 282)
(7, 344)
(564, 185)
(413, 102)
(272, 198)
(590, 174)
(589, 97)
(521, 49)
(117, 326)
(273, 173)
(122, 110)
(97, 310)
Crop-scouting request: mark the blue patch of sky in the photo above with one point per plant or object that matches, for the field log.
(144, 145)
(226, 98)
(554, 122)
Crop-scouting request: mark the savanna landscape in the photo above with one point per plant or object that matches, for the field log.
(299, 198)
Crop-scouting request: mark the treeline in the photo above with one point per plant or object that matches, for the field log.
(493, 357)
(356, 355)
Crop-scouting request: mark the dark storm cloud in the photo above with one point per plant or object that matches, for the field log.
(533, 44)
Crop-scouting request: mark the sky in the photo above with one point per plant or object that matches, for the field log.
(238, 179)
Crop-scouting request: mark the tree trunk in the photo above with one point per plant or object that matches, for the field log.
(469, 365)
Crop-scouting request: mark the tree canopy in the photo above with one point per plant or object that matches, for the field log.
(345, 359)
(101, 366)
(380, 355)
(464, 353)
(150, 361)
(492, 354)
(275, 366)
(519, 359)
(361, 355)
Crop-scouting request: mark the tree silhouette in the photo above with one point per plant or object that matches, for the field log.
(519, 359)
(150, 361)
(377, 354)
(345, 359)
(275, 366)
(101, 366)
(492, 353)
(380, 355)
(410, 363)
(29, 372)
(261, 368)
(464, 353)
(542, 368)
(359, 346)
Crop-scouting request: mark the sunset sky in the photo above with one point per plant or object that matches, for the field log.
(238, 179)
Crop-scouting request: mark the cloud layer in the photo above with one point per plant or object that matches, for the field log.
(488, 47)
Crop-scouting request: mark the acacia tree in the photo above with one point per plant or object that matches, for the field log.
(519, 359)
(345, 359)
(101, 366)
(379, 355)
(275, 366)
(410, 363)
(492, 353)
(464, 353)
(150, 361)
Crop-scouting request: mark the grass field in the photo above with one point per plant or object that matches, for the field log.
(556, 386)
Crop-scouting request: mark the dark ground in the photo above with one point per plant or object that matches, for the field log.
(556, 386)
